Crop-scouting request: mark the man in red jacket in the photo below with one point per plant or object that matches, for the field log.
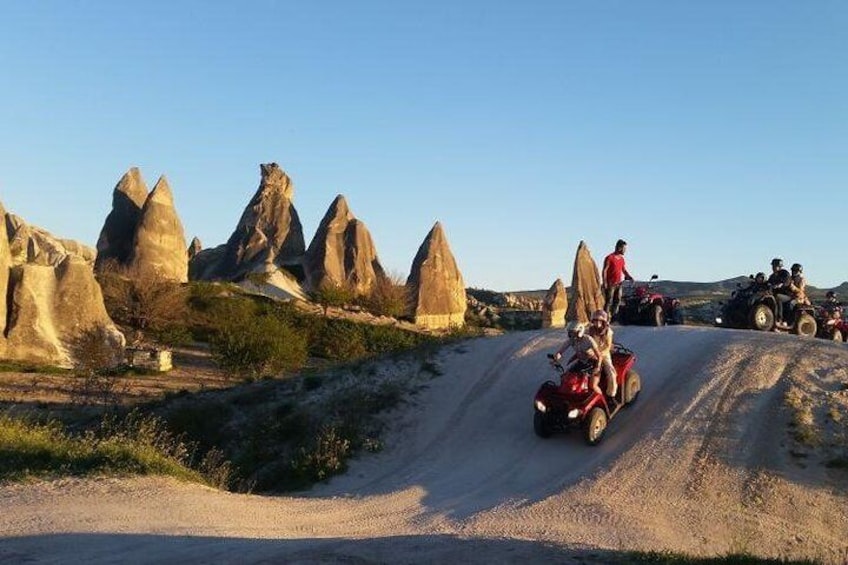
(613, 275)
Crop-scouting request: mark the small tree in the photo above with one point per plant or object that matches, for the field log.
(94, 356)
(332, 294)
(390, 297)
(142, 301)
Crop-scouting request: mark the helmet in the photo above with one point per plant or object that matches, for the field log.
(600, 315)
(761, 277)
(796, 267)
(576, 329)
(777, 262)
(830, 294)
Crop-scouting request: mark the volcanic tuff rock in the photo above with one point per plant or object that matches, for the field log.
(116, 237)
(48, 295)
(31, 244)
(49, 307)
(194, 248)
(586, 296)
(342, 252)
(554, 306)
(269, 233)
(435, 284)
(159, 246)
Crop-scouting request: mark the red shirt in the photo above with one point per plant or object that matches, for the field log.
(614, 268)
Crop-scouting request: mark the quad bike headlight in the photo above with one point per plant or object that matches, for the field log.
(573, 413)
(540, 406)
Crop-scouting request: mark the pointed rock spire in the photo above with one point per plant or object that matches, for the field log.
(586, 296)
(116, 236)
(269, 233)
(435, 284)
(159, 247)
(5, 263)
(194, 248)
(342, 253)
(554, 306)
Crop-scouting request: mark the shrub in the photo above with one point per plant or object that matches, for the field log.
(390, 297)
(252, 347)
(340, 340)
(325, 457)
(330, 294)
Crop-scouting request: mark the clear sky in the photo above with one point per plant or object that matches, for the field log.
(710, 135)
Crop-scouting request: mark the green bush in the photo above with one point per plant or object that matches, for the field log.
(340, 340)
(255, 346)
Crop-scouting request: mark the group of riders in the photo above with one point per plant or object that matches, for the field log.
(592, 343)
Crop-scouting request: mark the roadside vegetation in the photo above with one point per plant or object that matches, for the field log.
(305, 392)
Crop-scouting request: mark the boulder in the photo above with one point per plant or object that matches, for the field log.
(269, 233)
(554, 306)
(33, 245)
(342, 252)
(586, 295)
(159, 246)
(435, 284)
(51, 306)
(118, 232)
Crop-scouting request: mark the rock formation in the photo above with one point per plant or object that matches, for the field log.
(5, 264)
(554, 306)
(51, 306)
(31, 244)
(435, 284)
(116, 237)
(269, 234)
(194, 248)
(159, 246)
(586, 296)
(48, 295)
(342, 252)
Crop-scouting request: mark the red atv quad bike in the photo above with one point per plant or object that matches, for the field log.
(642, 305)
(572, 403)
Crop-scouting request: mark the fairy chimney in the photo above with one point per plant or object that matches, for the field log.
(586, 296)
(269, 234)
(342, 253)
(116, 236)
(435, 284)
(554, 306)
(159, 246)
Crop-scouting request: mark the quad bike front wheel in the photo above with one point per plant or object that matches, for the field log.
(805, 325)
(540, 426)
(762, 318)
(596, 425)
(632, 386)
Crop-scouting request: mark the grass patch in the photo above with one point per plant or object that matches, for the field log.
(21, 367)
(132, 446)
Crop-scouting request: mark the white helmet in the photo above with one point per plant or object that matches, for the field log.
(576, 329)
(600, 315)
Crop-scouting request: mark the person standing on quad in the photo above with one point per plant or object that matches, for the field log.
(798, 285)
(779, 282)
(601, 332)
(614, 273)
(585, 349)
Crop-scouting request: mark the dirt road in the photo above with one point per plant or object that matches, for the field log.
(703, 463)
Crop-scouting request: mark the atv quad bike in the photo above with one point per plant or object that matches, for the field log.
(642, 305)
(754, 306)
(573, 404)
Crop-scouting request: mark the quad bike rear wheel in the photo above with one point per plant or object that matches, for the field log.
(596, 425)
(657, 316)
(632, 386)
(805, 325)
(540, 426)
(762, 318)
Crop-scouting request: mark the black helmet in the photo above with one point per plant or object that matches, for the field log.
(830, 294)
(796, 267)
(777, 262)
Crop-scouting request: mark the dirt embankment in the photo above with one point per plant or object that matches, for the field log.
(737, 444)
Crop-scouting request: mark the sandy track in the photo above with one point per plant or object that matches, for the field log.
(700, 464)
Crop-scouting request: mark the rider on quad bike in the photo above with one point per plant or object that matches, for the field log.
(586, 351)
(780, 282)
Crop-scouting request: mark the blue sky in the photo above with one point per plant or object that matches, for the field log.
(709, 135)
